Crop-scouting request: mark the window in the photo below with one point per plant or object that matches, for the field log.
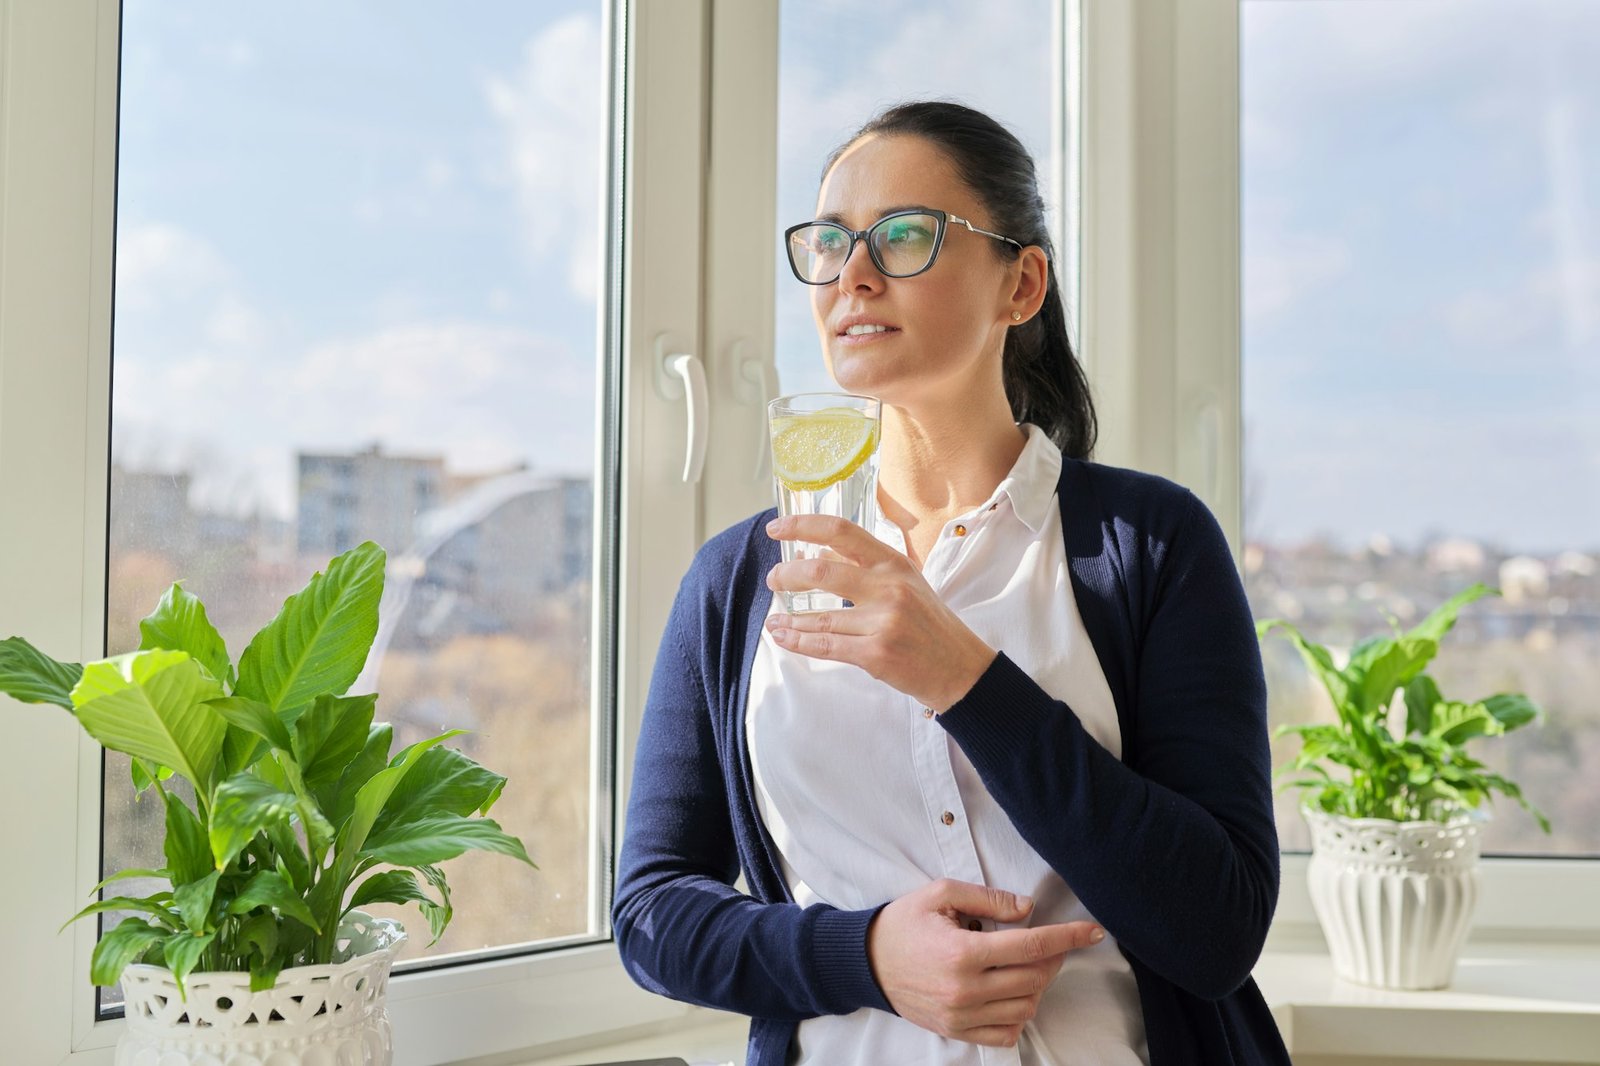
(395, 340)
(274, 310)
(1421, 309)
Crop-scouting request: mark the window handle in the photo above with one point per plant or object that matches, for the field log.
(679, 374)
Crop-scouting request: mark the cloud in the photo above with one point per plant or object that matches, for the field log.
(159, 264)
(205, 382)
(1562, 300)
(549, 109)
(1282, 264)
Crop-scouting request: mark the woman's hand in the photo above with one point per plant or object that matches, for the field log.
(980, 987)
(899, 631)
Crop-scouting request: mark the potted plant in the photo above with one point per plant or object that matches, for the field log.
(1393, 801)
(285, 813)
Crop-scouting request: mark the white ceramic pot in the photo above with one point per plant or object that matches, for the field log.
(1395, 899)
(315, 1016)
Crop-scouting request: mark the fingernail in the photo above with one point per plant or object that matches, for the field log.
(773, 526)
(778, 621)
(1025, 902)
(1097, 936)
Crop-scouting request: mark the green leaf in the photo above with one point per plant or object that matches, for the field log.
(1385, 664)
(1317, 659)
(1457, 723)
(258, 933)
(438, 914)
(270, 889)
(187, 850)
(179, 623)
(194, 901)
(264, 975)
(445, 781)
(330, 734)
(372, 796)
(121, 946)
(1422, 695)
(29, 675)
(292, 863)
(183, 951)
(1512, 710)
(132, 871)
(151, 705)
(245, 805)
(338, 801)
(148, 905)
(319, 641)
(1443, 618)
(390, 886)
(255, 717)
(431, 840)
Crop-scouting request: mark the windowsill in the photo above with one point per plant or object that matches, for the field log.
(1516, 1002)
(1533, 1003)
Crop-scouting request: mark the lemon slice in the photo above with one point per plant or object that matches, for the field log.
(815, 450)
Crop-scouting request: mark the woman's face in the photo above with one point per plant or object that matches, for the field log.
(947, 326)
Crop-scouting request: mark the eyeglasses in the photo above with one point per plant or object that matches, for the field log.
(902, 245)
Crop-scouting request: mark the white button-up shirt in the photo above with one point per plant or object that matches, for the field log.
(867, 797)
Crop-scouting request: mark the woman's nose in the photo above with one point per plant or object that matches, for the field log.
(860, 272)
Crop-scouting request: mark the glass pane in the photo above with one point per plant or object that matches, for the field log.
(834, 74)
(357, 273)
(1421, 323)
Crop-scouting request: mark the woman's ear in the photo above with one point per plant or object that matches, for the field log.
(1032, 283)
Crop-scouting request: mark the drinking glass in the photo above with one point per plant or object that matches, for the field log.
(824, 461)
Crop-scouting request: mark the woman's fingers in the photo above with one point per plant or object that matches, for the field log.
(1018, 982)
(852, 542)
(841, 578)
(1009, 947)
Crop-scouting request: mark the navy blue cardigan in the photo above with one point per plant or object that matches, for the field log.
(1172, 848)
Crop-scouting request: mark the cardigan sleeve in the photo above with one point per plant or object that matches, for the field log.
(1175, 854)
(682, 928)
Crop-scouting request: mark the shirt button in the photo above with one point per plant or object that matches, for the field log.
(974, 926)
(927, 712)
(947, 818)
(992, 506)
(961, 531)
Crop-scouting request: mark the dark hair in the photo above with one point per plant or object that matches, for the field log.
(1043, 379)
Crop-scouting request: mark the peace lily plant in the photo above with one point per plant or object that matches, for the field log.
(299, 812)
(1388, 792)
(1405, 759)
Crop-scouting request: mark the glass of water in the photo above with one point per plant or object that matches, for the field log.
(824, 461)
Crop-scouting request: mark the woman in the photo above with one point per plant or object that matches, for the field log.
(1014, 804)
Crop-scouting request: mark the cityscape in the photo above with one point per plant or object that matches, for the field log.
(486, 626)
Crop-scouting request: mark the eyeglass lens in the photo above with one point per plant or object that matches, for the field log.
(900, 245)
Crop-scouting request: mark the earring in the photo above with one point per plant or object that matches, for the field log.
(1016, 316)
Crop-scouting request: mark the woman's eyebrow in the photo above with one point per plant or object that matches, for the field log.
(838, 219)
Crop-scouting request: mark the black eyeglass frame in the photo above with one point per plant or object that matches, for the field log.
(942, 218)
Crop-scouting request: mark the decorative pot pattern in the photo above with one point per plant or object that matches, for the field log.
(331, 1015)
(1395, 899)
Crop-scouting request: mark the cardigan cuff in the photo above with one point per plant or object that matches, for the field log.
(839, 950)
(999, 715)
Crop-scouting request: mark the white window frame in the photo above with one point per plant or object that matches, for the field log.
(1161, 321)
(58, 100)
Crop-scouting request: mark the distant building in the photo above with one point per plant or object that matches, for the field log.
(150, 513)
(1456, 555)
(347, 498)
(1524, 578)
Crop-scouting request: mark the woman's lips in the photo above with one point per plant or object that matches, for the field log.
(853, 340)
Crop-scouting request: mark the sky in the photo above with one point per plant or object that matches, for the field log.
(388, 231)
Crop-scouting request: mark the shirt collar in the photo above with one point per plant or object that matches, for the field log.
(1031, 484)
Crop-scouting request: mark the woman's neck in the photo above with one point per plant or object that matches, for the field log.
(933, 465)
